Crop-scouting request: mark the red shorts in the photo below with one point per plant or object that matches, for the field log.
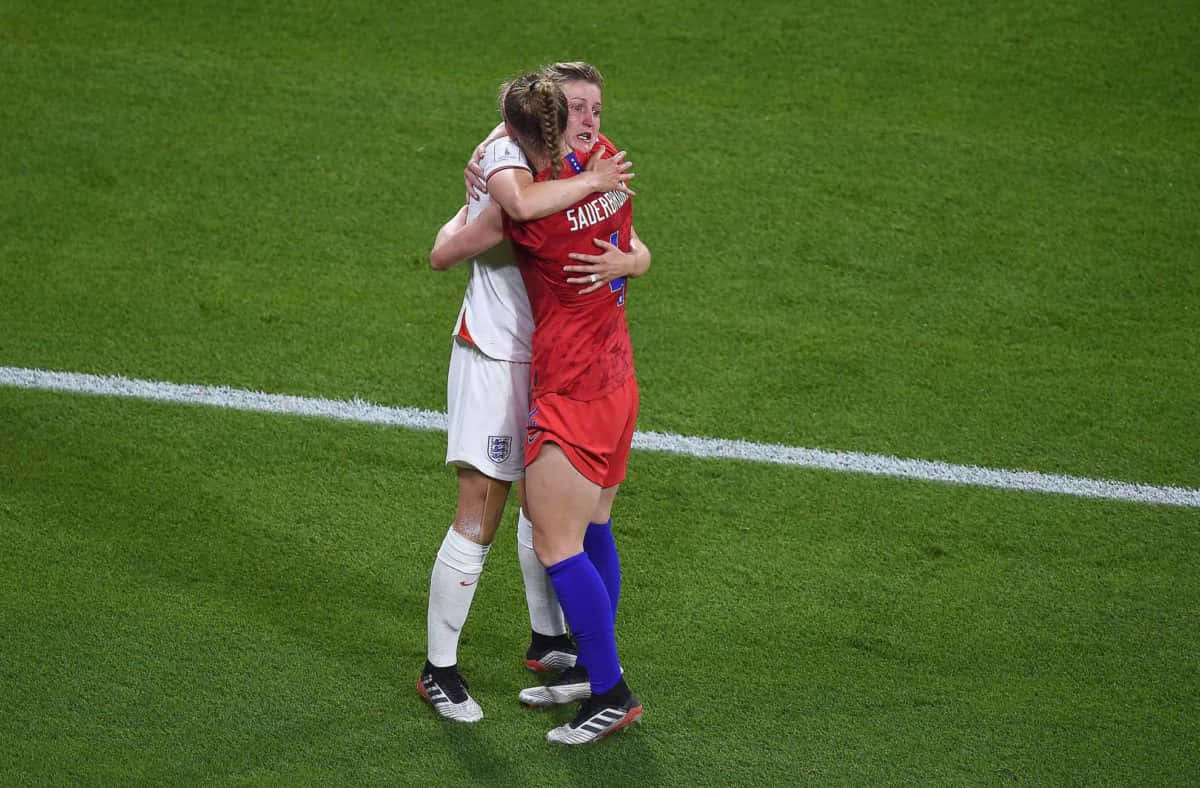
(595, 435)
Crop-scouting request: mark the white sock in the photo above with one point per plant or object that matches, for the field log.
(545, 616)
(451, 589)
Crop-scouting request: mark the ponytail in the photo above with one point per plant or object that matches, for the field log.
(535, 108)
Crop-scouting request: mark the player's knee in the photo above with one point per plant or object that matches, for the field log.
(546, 556)
(481, 501)
(551, 548)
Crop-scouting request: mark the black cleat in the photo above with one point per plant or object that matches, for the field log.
(598, 717)
(547, 653)
(446, 691)
(570, 686)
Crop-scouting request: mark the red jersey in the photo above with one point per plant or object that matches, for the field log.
(581, 346)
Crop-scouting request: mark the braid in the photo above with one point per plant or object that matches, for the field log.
(535, 108)
(548, 93)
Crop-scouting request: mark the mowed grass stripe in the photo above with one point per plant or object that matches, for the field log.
(415, 418)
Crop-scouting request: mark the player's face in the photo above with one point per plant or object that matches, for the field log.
(583, 114)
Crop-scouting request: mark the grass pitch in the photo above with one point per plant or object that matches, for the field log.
(966, 234)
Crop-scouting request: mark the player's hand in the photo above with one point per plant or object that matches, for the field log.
(601, 269)
(610, 174)
(473, 174)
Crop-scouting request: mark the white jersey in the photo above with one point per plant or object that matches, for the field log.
(495, 307)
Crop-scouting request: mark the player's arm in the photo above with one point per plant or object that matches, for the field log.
(524, 200)
(459, 240)
(610, 264)
(473, 174)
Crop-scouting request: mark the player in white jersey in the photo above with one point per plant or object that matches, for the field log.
(494, 325)
(487, 407)
(580, 99)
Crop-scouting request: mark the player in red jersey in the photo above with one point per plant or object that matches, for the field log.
(583, 390)
(487, 406)
(583, 86)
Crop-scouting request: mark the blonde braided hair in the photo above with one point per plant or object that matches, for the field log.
(535, 107)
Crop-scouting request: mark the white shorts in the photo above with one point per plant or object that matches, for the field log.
(487, 410)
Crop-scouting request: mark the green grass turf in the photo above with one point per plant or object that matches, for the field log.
(965, 233)
(199, 595)
(968, 236)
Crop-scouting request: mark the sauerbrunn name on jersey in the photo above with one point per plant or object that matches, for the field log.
(596, 210)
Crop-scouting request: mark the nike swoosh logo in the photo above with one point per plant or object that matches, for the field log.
(465, 583)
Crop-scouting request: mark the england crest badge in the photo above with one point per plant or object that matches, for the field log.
(499, 447)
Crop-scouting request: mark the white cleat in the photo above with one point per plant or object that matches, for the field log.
(559, 654)
(571, 686)
(596, 720)
(447, 694)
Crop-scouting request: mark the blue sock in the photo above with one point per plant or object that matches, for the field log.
(601, 548)
(585, 603)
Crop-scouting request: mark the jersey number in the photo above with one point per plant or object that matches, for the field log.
(617, 285)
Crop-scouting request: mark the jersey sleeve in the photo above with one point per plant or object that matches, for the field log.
(503, 154)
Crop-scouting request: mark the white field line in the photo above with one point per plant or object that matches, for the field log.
(414, 418)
